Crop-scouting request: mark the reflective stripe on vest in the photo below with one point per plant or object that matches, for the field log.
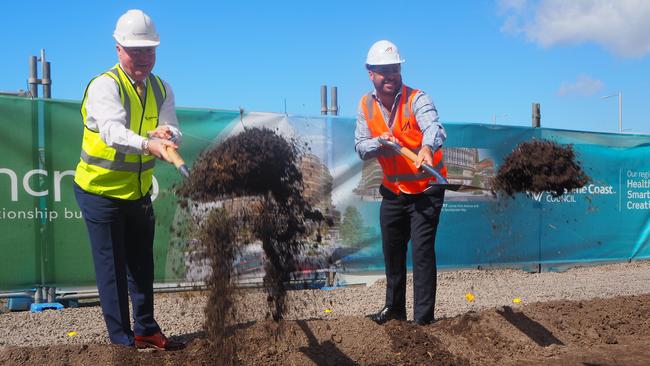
(105, 171)
(117, 165)
(400, 174)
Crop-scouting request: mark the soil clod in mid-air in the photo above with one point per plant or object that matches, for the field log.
(540, 166)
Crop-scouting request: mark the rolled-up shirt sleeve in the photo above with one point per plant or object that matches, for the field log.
(433, 133)
(364, 144)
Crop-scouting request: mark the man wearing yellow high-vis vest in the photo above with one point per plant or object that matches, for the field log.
(411, 205)
(129, 121)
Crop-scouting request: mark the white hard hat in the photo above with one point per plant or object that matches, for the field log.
(136, 29)
(383, 53)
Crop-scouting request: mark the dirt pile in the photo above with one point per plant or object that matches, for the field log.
(538, 166)
(256, 162)
(595, 332)
(254, 181)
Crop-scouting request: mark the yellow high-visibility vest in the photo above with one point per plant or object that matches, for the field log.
(107, 172)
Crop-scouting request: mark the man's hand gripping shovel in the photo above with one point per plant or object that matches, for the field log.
(441, 181)
(174, 157)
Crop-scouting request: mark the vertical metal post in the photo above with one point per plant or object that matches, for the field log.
(33, 77)
(51, 294)
(537, 115)
(38, 295)
(47, 82)
(45, 76)
(323, 99)
(620, 112)
(33, 82)
(334, 109)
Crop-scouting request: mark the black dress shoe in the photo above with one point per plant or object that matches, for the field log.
(388, 313)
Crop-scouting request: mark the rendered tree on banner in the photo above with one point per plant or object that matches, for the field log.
(352, 228)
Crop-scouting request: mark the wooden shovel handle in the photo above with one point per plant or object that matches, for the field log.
(175, 157)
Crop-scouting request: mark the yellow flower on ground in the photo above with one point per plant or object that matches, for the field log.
(72, 334)
(328, 310)
(516, 300)
(469, 297)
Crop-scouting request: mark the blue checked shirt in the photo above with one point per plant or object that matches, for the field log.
(433, 134)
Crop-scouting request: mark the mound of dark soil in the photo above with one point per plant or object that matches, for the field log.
(254, 181)
(540, 166)
(256, 162)
(595, 332)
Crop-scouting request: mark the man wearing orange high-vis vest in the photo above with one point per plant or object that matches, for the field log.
(129, 120)
(411, 202)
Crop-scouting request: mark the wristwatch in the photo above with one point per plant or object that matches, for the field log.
(145, 147)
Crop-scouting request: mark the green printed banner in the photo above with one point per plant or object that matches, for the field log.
(44, 240)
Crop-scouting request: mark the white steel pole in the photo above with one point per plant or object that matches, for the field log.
(620, 112)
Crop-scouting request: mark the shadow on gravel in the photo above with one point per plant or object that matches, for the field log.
(535, 331)
(87, 303)
(325, 353)
(188, 337)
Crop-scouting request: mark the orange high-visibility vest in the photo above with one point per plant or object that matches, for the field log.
(400, 173)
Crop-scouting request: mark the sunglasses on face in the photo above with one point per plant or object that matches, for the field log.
(386, 69)
(139, 51)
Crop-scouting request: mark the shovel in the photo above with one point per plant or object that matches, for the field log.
(176, 159)
(442, 181)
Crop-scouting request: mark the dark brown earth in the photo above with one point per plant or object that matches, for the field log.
(597, 332)
(255, 177)
(539, 166)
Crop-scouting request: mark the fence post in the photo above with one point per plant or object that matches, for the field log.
(323, 99)
(536, 115)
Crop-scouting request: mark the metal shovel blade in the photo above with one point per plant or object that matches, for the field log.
(442, 181)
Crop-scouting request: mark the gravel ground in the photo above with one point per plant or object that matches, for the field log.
(181, 315)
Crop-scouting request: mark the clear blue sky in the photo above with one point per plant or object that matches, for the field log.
(477, 59)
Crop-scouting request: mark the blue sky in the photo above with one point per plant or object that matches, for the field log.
(479, 60)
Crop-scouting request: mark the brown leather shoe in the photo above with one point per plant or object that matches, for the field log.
(157, 341)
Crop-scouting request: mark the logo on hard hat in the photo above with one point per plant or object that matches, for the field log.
(389, 49)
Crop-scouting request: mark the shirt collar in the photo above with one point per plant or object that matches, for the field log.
(131, 80)
(374, 95)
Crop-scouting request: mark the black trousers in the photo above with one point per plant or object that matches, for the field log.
(121, 237)
(407, 217)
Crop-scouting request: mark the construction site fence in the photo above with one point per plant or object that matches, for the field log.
(44, 242)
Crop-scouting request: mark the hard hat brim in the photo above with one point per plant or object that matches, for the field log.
(379, 63)
(139, 43)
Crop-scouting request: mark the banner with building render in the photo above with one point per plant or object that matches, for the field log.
(44, 240)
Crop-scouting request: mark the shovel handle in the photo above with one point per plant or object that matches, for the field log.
(178, 161)
(413, 157)
(175, 157)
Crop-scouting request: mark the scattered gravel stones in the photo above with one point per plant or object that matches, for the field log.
(181, 315)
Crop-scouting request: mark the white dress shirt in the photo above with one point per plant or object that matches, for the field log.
(105, 113)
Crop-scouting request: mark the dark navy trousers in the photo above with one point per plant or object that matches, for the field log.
(411, 217)
(121, 237)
